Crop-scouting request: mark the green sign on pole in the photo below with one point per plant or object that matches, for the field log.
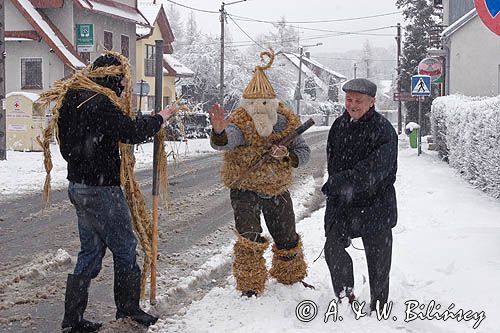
(85, 37)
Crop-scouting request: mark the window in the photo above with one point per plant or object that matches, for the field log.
(150, 103)
(108, 40)
(125, 45)
(149, 60)
(31, 73)
(166, 100)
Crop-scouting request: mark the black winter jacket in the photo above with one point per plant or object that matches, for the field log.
(362, 165)
(89, 136)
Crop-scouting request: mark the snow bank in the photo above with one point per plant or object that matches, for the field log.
(467, 133)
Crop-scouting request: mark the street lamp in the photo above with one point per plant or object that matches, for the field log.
(298, 94)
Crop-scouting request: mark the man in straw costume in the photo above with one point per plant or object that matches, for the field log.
(251, 130)
(91, 121)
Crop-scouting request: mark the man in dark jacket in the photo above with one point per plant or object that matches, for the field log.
(361, 200)
(90, 129)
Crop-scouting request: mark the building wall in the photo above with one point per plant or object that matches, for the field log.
(52, 67)
(455, 9)
(63, 19)
(14, 20)
(168, 85)
(102, 23)
(474, 60)
(459, 8)
(130, 3)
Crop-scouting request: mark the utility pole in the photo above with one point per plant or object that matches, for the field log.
(222, 21)
(298, 94)
(398, 41)
(355, 68)
(367, 68)
(221, 81)
(156, 180)
(3, 125)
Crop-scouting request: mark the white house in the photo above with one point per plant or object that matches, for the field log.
(47, 39)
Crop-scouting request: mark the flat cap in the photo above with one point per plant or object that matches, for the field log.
(363, 86)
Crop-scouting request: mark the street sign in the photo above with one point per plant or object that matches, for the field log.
(431, 67)
(420, 85)
(404, 96)
(85, 37)
(141, 88)
(489, 12)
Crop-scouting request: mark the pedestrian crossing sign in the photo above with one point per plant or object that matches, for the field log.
(420, 85)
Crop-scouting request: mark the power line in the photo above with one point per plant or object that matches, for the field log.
(192, 8)
(246, 43)
(354, 59)
(326, 30)
(320, 21)
(245, 32)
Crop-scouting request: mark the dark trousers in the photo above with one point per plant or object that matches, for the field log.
(378, 250)
(278, 214)
(104, 221)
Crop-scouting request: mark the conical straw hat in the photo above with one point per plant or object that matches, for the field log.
(259, 86)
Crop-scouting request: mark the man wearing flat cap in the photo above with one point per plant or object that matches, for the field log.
(361, 199)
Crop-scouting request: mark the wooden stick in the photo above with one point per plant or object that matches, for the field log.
(154, 235)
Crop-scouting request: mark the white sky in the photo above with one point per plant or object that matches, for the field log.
(299, 10)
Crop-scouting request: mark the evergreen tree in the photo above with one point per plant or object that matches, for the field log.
(285, 38)
(175, 21)
(310, 87)
(420, 16)
(192, 33)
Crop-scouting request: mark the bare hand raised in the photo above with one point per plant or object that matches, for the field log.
(219, 123)
(167, 113)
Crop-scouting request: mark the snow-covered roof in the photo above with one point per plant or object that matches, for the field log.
(52, 37)
(17, 39)
(115, 9)
(177, 66)
(155, 14)
(31, 96)
(309, 73)
(150, 11)
(323, 67)
(459, 23)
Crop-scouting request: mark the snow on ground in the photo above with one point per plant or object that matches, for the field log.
(445, 250)
(24, 172)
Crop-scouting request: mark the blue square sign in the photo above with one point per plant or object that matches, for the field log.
(420, 85)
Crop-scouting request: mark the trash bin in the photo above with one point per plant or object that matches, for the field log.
(412, 130)
(25, 121)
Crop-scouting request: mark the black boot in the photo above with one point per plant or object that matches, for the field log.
(127, 293)
(75, 303)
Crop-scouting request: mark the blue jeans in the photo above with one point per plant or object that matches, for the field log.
(103, 222)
